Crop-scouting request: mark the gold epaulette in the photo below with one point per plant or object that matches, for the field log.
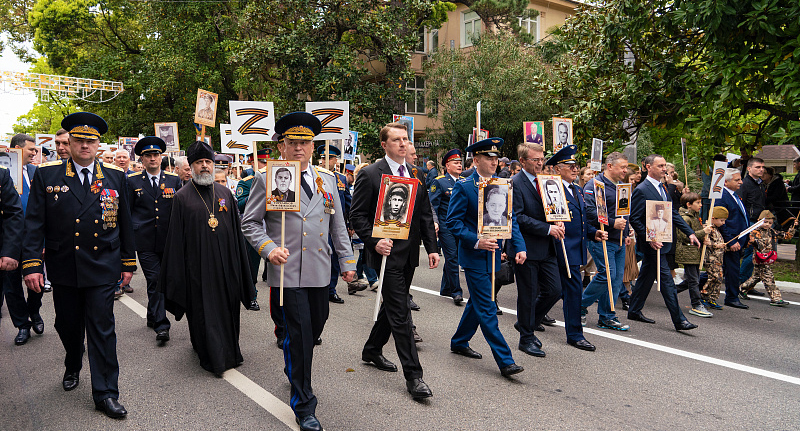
(133, 174)
(440, 177)
(325, 171)
(53, 163)
(3, 167)
(263, 170)
(112, 166)
(247, 178)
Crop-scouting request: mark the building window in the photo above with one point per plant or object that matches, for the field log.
(470, 28)
(434, 41)
(420, 47)
(530, 26)
(416, 96)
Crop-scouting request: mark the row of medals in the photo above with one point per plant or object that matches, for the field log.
(110, 206)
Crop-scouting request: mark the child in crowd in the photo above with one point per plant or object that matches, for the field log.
(764, 241)
(715, 249)
(689, 255)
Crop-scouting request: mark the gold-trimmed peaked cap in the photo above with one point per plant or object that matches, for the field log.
(84, 125)
(564, 155)
(298, 125)
(489, 147)
(150, 144)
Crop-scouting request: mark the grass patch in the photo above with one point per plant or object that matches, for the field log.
(785, 270)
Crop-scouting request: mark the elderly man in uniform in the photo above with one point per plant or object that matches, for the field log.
(78, 212)
(475, 254)
(150, 194)
(344, 196)
(577, 232)
(441, 189)
(306, 255)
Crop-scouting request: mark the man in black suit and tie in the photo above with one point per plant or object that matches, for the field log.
(538, 279)
(737, 221)
(402, 257)
(655, 252)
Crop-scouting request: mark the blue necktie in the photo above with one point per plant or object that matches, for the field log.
(25, 192)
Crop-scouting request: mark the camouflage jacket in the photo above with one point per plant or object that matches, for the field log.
(764, 240)
(716, 250)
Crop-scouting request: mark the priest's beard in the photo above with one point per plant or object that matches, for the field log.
(203, 178)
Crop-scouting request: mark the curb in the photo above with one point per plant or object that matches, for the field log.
(784, 286)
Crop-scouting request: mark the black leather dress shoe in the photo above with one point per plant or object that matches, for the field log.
(685, 326)
(549, 321)
(737, 304)
(466, 351)
(458, 299)
(510, 370)
(412, 305)
(626, 303)
(537, 342)
(22, 337)
(308, 423)
(532, 350)
(639, 317)
(334, 297)
(70, 380)
(162, 335)
(582, 344)
(539, 328)
(254, 306)
(418, 389)
(380, 362)
(38, 324)
(318, 341)
(112, 408)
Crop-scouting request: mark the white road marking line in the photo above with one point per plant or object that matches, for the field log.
(665, 349)
(261, 396)
(766, 298)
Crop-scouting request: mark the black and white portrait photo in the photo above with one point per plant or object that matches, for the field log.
(283, 182)
(562, 133)
(395, 203)
(552, 191)
(11, 159)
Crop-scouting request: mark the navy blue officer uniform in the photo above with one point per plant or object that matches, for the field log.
(441, 189)
(462, 220)
(577, 232)
(345, 199)
(150, 197)
(81, 217)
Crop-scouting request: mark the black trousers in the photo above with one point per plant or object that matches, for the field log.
(538, 289)
(151, 267)
(89, 310)
(394, 319)
(731, 262)
(275, 311)
(647, 275)
(305, 310)
(20, 309)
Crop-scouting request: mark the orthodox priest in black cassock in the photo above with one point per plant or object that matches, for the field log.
(205, 271)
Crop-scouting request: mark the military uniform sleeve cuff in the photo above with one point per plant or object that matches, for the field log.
(31, 266)
(266, 248)
(128, 265)
(347, 263)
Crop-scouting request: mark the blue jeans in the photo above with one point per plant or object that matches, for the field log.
(746, 270)
(597, 290)
(362, 269)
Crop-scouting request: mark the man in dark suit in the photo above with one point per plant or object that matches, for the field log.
(150, 194)
(736, 223)
(753, 194)
(538, 280)
(433, 173)
(577, 232)
(24, 314)
(78, 211)
(402, 257)
(655, 253)
(12, 220)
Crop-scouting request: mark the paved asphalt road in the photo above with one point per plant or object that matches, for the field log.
(739, 370)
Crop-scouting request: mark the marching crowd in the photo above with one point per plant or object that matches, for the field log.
(200, 238)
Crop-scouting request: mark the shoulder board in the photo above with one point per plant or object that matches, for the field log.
(263, 170)
(325, 171)
(463, 180)
(53, 163)
(247, 178)
(170, 173)
(440, 177)
(133, 174)
(111, 166)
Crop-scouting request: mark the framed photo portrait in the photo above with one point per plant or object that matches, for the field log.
(658, 217)
(555, 203)
(350, 146)
(624, 199)
(393, 215)
(11, 158)
(409, 123)
(600, 202)
(205, 110)
(533, 131)
(283, 185)
(478, 136)
(169, 133)
(597, 155)
(562, 133)
(494, 208)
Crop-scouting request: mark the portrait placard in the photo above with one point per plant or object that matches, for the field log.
(562, 133)
(283, 180)
(683, 152)
(205, 110)
(717, 180)
(251, 121)
(597, 155)
(494, 208)
(393, 215)
(130, 149)
(206, 139)
(11, 158)
(624, 199)
(555, 203)
(169, 133)
(231, 146)
(350, 146)
(127, 144)
(658, 215)
(334, 116)
(479, 136)
(409, 123)
(600, 202)
(533, 132)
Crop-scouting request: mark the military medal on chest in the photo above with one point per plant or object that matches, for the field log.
(328, 197)
(109, 203)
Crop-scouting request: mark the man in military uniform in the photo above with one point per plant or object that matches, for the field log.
(305, 255)
(78, 212)
(344, 196)
(223, 162)
(440, 190)
(150, 194)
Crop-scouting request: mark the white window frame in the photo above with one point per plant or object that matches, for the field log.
(474, 19)
(417, 91)
(529, 21)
